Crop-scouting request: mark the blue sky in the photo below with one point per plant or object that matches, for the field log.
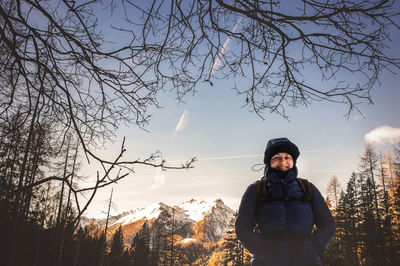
(228, 141)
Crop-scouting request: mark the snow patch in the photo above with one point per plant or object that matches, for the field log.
(197, 209)
(150, 212)
(188, 240)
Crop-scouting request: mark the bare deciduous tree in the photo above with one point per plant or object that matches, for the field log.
(334, 190)
(282, 49)
(57, 63)
(53, 49)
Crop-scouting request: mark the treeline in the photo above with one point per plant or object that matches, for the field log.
(38, 189)
(42, 201)
(155, 247)
(367, 213)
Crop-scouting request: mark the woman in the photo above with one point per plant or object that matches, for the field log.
(288, 224)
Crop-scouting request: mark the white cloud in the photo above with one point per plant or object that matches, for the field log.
(383, 135)
(183, 121)
(159, 178)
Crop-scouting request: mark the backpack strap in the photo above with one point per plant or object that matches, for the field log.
(307, 191)
(258, 193)
(262, 191)
(264, 195)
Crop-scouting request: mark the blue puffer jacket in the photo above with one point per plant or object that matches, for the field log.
(284, 234)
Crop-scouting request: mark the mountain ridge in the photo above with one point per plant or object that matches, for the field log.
(195, 220)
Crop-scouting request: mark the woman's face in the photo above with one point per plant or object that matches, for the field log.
(282, 161)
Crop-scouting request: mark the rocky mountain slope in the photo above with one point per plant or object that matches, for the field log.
(192, 221)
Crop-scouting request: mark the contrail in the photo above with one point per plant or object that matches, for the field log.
(222, 51)
(221, 158)
(242, 156)
(182, 122)
(249, 155)
(316, 150)
(231, 157)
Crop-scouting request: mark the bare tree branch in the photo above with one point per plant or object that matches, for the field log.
(281, 45)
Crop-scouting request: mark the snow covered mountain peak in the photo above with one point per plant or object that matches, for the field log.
(194, 209)
(149, 212)
(197, 209)
(193, 220)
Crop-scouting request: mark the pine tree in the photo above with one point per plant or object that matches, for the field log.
(24, 150)
(334, 254)
(87, 248)
(140, 248)
(116, 248)
(351, 214)
(386, 178)
(233, 251)
(394, 205)
(372, 236)
(12, 134)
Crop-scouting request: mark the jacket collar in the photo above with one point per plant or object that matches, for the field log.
(276, 177)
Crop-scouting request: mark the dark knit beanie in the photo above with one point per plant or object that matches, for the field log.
(278, 145)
